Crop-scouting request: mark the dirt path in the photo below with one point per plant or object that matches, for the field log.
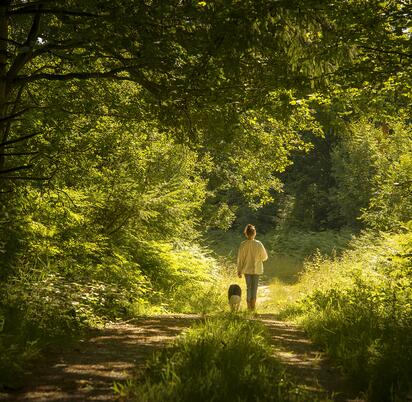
(86, 372)
(304, 362)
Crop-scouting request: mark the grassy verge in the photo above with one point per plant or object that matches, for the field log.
(352, 295)
(359, 307)
(224, 358)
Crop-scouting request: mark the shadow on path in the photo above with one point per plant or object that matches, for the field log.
(86, 371)
(304, 362)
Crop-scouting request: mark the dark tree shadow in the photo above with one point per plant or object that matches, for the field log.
(88, 370)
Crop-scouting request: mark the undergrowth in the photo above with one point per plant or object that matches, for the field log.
(54, 303)
(359, 307)
(224, 358)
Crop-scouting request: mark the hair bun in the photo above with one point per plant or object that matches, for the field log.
(250, 230)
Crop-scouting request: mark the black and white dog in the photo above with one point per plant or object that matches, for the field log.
(234, 294)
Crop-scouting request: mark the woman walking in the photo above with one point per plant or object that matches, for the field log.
(250, 259)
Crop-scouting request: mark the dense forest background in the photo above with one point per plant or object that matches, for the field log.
(137, 138)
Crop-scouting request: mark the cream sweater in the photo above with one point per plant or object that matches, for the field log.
(250, 257)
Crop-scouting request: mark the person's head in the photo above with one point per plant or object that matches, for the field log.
(250, 231)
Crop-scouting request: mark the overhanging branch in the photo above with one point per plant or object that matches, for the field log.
(24, 137)
(375, 49)
(55, 11)
(25, 178)
(11, 41)
(55, 46)
(15, 169)
(70, 76)
(14, 115)
(24, 57)
(18, 153)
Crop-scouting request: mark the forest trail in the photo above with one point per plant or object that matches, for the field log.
(305, 364)
(87, 370)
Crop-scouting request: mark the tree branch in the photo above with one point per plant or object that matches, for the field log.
(50, 46)
(14, 115)
(15, 169)
(24, 57)
(18, 153)
(56, 11)
(71, 76)
(11, 41)
(24, 137)
(9, 122)
(33, 3)
(25, 178)
(374, 49)
(122, 223)
(152, 87)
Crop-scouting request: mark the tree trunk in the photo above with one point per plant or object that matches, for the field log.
(4, 90)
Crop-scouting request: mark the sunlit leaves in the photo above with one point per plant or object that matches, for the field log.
(359, 307)
(372, 166)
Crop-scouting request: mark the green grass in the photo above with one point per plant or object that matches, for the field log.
(224, 358)
(359, 308)
(280, 300)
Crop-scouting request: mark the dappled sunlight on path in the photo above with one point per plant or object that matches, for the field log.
(87, 370)
(307, 366)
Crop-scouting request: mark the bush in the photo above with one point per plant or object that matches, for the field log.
(178, 274)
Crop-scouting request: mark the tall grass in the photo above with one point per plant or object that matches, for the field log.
(225, 358)
(359, 307)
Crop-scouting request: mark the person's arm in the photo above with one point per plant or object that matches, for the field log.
(263, 253)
